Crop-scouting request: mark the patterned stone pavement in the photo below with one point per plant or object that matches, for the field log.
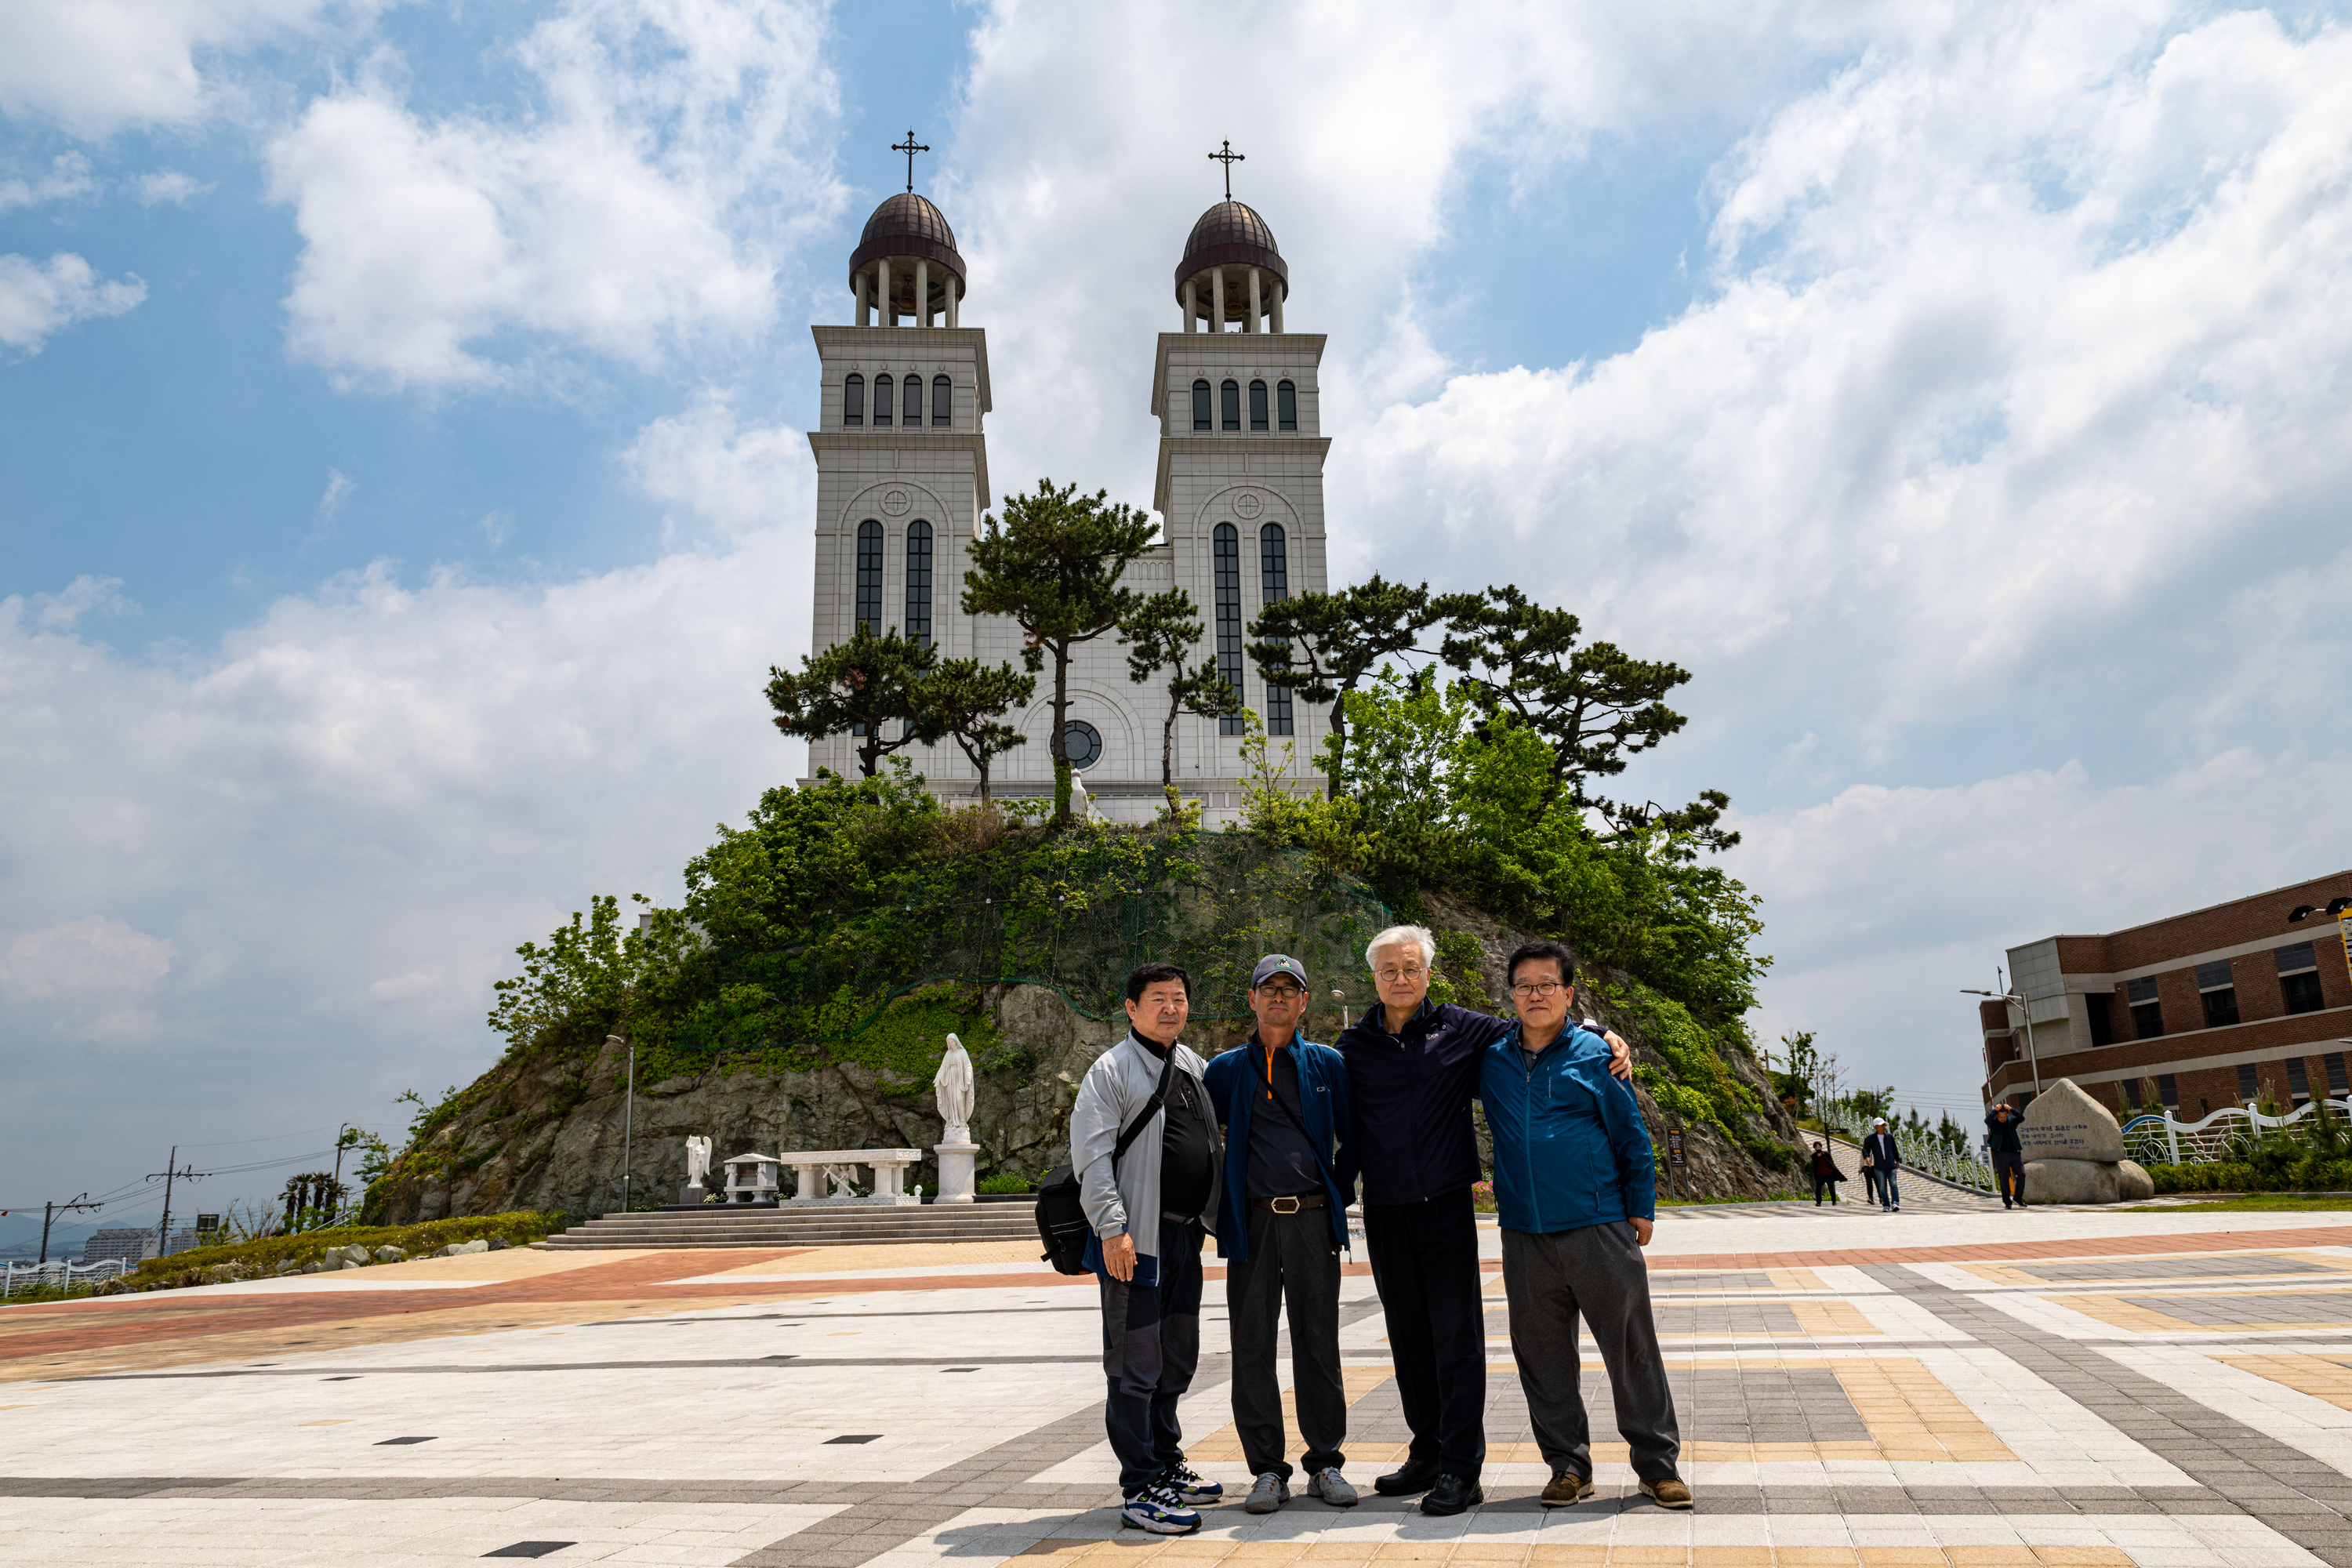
(2066, 1389)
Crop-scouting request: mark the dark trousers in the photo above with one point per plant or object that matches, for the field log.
(1292, 1261)
(1870, 1183)
(1425, 1267)
(1826, 1184)
(1596, 1273)
(1151, 1343)
(2009, 1175)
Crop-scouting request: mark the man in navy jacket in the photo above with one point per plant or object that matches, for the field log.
(1576, 1189)
(2008, 1153)
(1283, 1224)
(1412, 1068)
(1880, 1154)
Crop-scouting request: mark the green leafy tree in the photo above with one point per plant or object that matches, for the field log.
(1052, 564)
(1793, 1080)
(1324, 646)
(1595, 705)
(1161, 635)
(868, 686)
(966, 699)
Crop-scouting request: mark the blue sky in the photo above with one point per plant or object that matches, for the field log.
(402, 492)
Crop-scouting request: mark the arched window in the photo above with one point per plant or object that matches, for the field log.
(1201, 416)
(882, 400)
(1257, 406)
(919, 582)
(1286, 404)
(1228, 553)
(869, 575)
(942, 401)
(1230, 394)
(853, 401)
(1274, 586)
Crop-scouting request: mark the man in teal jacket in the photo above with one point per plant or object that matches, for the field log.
(1283, 1220)
(1576, 1191)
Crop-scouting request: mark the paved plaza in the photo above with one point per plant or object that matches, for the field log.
(1955, 1386)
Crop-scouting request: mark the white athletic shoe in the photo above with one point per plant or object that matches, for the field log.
(1330, 1486)
(1269, 1493)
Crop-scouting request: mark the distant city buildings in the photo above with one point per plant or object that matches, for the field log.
(132, 1246)
(2226, 1006)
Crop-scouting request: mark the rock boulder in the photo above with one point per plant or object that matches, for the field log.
(2065, 1123)
(2070, 1182)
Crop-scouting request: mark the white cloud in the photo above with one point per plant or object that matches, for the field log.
(99, 66)
(93, 955)
(169, 187)
(36, 301)
(69, 176)
(638, 206)
(708, 463)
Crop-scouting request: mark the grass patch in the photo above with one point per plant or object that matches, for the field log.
(2254, 1203)
(277, 1255)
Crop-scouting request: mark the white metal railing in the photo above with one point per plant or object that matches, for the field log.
(1962, 1166)
(57, 1274)
(2228, 1133)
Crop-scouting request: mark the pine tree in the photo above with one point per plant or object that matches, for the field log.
(1160, 636)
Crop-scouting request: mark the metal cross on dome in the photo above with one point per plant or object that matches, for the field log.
(1227, 157)
(909, 147)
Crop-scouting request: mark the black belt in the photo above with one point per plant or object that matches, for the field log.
(1292, 1204)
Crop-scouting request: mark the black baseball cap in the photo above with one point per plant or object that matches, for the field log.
(1275, 964)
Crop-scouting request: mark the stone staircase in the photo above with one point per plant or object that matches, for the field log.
(848, 1225)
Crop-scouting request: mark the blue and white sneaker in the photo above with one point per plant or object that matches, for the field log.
(1157, 1509)
(1186, 1483)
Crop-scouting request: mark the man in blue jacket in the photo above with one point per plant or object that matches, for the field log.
(2008, 1153)
(1281, 1227)
(1576, 1188)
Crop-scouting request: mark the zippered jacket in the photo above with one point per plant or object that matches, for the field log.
(1411, 1138)
(1570, 1147)
(1126, 1203)
(2001, 1136)
(1879, 1149)
(1323, 1109)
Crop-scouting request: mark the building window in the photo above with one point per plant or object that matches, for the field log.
(853, 401)
(1286, 404)
(2102, 1029)
(1230, 394)
(1228, 553)
(2216, 989)
(942, 401)
(2147, 1013)
(1274, 586)
(919, 582)
(2247, 1086)
(869, 576)
(2298, 1080)
(1082, 744)
(882, 400)
(1257, 406)
(2298, 972)
(2167, 1089)
(1201, 416)
(2337, 1084)
(2131, 1094)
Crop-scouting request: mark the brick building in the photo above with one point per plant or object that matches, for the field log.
(2221, 1007)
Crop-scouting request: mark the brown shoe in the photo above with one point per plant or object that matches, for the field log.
(1668, 1493)
(1567, 1489)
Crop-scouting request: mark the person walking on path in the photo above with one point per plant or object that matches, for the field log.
(1146, 1211)
(1280, 1228)
(2008, 1153)
(1881, 1157)
(1576, 1191)
(1825, 1174)
(1412, 1066)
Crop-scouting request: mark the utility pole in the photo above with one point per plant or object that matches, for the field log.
(169, 1173)
(50, 1212)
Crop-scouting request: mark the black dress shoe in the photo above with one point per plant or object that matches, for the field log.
(1452, 1494)
(1417, 1476)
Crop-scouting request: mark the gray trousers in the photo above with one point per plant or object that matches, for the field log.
(1292, 1261)
(1596, 1273)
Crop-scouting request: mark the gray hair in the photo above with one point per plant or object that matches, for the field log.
(1396, 934)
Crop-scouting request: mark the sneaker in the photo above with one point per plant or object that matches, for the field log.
(1159, 1509)
(1330, 1486)
(1270, 1491)
(1187, 1484)
(1566, 1491)
(1668, 1493)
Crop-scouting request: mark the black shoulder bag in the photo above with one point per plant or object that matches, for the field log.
(1061, 1218)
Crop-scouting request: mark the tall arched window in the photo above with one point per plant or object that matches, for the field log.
(853, 401)
(942, 401)
(1274, 586)
(1230, 394)
(919, 582)
(882, 400)
(1201, 416)
(1286, 404)
(1228, 553)
(1257, 406)
(869, 575)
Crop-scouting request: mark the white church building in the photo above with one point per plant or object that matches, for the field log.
(902, 449)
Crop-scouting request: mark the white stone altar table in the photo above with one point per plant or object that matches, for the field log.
(889, 1166)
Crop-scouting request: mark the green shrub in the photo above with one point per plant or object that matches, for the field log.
(267, 1255)
(1004, 1182)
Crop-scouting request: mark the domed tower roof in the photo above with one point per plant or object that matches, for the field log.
(910, 226)
(1230, 234)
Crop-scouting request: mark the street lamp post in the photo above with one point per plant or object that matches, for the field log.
(2032, 1057)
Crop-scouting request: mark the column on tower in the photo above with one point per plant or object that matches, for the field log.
(922, 293)
(889, 300)
(1279, 290)
(1219, 323)
(865, 316)
(951, 300)
(1191, 306)
(1251, 325)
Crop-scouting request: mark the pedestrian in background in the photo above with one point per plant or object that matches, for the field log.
(1826, 1174)
(1882, 1159)
(2007, 1154)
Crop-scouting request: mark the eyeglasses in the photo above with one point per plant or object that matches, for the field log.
(1534, 990)
(1285, 992)
(1411, 971)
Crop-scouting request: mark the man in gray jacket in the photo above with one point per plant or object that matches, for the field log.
(1147, 1212)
